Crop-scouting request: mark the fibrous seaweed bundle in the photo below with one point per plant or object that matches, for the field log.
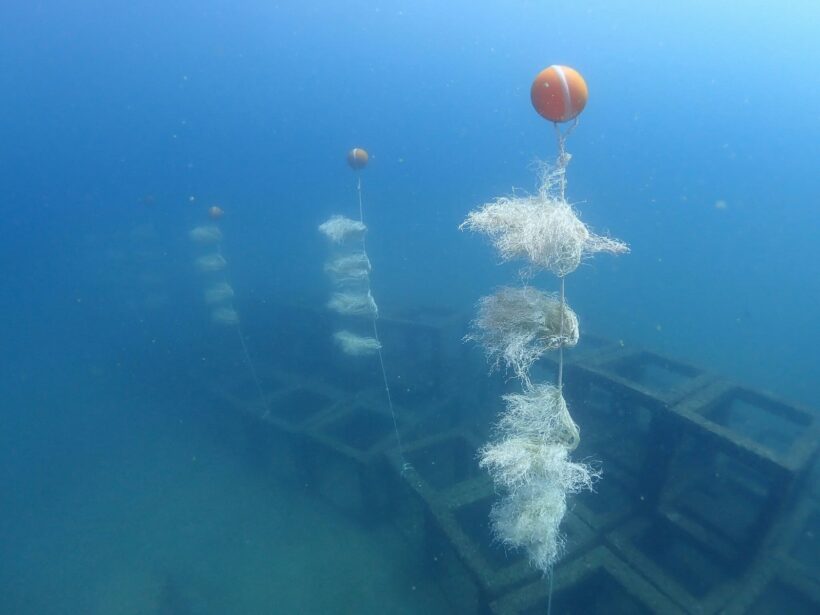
(212, 264)
(541, 229)
(339, 229)
(518, 325)
(529, 456)
(354, 302)
(356, 345)
(349, 269)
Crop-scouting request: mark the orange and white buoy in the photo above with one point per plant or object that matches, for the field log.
(357, 158)
(559, 93)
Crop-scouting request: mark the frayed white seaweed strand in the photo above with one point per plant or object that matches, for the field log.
(218, 293)
(356, 345)
(210, 263)
(529, 517)
(340, 228)
(205, 234)
(225, 315)
(349, 268)
(539, 413)
(542, 229)
(354, 304)
(517, 462)
(518, 325)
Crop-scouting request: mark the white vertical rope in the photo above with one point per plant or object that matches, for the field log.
(404, 464)
(561, 162)
(561, 347)
(247, 355)
(252, 369)
(549, 595)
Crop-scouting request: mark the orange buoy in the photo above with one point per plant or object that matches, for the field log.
(357, 158)
(215, 212)
(559, 93)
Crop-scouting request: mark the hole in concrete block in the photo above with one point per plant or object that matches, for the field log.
(300, 405)
(598, 592)
(612, 430)
(653, 372)
(766, 422)
(361, 428)
(594, 400)
(718, 491)
(779, 597)
(697, 570)
(446, 462)
(806, 549)
(611, 497)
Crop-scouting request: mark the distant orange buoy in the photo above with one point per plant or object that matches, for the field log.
(357, 158)
(215, 212)
(559, 93)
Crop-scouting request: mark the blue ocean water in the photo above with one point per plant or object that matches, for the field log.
(121, 123)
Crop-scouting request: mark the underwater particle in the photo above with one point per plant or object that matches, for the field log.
(559, 93)
(215, 212)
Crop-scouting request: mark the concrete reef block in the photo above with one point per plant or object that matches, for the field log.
(445, 460)
(741, 458)
(721, 499)
(596, 582)
(273, 425)
(423, 350)
(777, 587)
(238, 392)
(694, 575)
(591, 349)
(349, 463)
(613, 502)
(613, 430)
(632, 436)
(797, 539)
(766, 430)
(643, 376)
